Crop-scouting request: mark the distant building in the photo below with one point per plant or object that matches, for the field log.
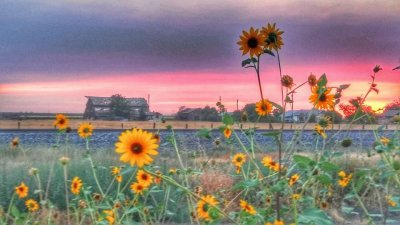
(189, 114)
(300, 116)
(387, 116)
(98, 108)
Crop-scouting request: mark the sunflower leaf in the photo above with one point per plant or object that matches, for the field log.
(344, 86)
(269, 52)
(279, 107)
(248, 61)
(322, 81)
(228, 120)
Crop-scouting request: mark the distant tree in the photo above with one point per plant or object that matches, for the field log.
(209, 114)
(119, 106)
(358, 111)
(393, 105)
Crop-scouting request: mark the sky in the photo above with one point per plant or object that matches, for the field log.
(184, 53)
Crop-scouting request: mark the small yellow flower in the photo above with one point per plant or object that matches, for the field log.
(345, 179)
(247, 207)
(115, 171)
(144, 178)
(238, 159)
(118, 178)
(85, 130)
(227, 132)
(252, 42)
(385, 141)
(22, 190)
(32, 205)
(204, 204)
(270, 163)
(76, 185)
(296, 196)
(390, 201)
(324, 100)
(110, 217)
(61, 122)
(138, 188)
(293, 179)
(320, 131)
(14, 142)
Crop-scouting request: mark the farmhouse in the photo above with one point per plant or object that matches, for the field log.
(99, 108)
(300, 116)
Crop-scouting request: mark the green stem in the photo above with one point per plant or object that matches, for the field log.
(95, 175)
(66, 193)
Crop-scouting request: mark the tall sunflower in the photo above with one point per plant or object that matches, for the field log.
(32, 205)
(273, 36)
(136, 146)
(61, 122)
(268, 162)
(144, 178)
(204, 204)
(138, 188)
(76, 185)
(247, 207)
(293, 179)
(22, 190)
(227, 132)
(252, 41)
(238, 159)
(324, 100)
(320, 131)
(263, 107)
(85, 130)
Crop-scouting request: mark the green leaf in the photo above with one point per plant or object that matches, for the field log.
(329, 167)
(248, 61)
(246, 184)
(322, 81)
(303, 160)
(269, 52)
(228, 120)
(324, 179)
(15, 212)
(204, 133)
(313, 216)
(344, 86)
(272, 134)
(132, 210)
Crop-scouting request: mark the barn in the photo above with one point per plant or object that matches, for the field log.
(98, 108)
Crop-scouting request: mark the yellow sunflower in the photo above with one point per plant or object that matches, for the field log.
(32, 205)
(61, 121)
(263, 107)
(76, 185)
(144, 178)
(115, 170)
(293, 179)
(118, 178)
(137, 188)
(325, 122)
(247, 207)
(227, 132)
(268, 162)
(252, 41)
(22, 190)
(136, 146)
(273, 36)
(323, 101)
(204, 204)
(14, 142)
(85, 130)
(344, 179)
(110, 217)
(238, 159)
(320, 131)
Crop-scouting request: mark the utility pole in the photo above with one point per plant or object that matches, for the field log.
(237, 104)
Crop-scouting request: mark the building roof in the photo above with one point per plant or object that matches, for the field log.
(299, 112)
(105, 101)
(391, 112)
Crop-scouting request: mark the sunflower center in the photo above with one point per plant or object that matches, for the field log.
(139, 187)
(252, 42)
(136, 148)
(75, 185)
(86, 130)
(61, 121)
(21, 189)
(322, 98)
(238, 159)
(144, 177)
(271, 37)
(205, 207)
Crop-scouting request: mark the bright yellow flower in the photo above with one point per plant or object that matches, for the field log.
(85, 130)
(390, 201)
(136, 146)
(247, 207)
(296, 196)
(118, 178)
(61, 122)
(32, 205)
(110, 217)
(323, 101)
(320, 131)
(253, 42)
(138, 188)
(384, 140)
(22, 190)
(144, 178)
(115, 170)
(273, 36)
(263, 107)
(204, 204)
(238, 159)
(293, 179)
(76, 185)
(270, 163)
(227, 132)
(345, 179)
(14, 142)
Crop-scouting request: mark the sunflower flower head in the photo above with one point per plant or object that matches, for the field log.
(385, 141)
(118, 178)
(14, 142)
(390, 201)
(109, 216)
(252, 42)
(321, 98)
(144, 178)
(204, 205)
(61, 122)
(325, 122)
(85, 130)
(64, 160)
(76, 185)
(293, 179)
(238, 159)
(287, 81)
(273, 36)
(268, 162)
(296, 197)
(138, 188)
(263, 107)
(320, 131)
(227, 132)
(32, 205)
(116, 170)
(136, 147)
(247, 207)
(22, 190)
(344, 179)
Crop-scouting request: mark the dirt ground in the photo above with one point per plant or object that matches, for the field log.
(99, 124)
